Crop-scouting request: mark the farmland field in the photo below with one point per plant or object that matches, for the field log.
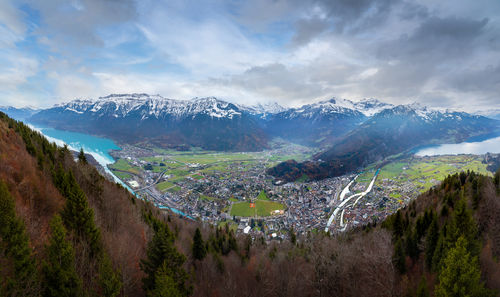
(163, 186)
(123, 165)
(423, 172)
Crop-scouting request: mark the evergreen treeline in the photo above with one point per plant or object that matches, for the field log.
(448, 242)
(74, 236)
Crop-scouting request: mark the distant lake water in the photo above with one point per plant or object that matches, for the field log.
(98, 147)
(473, 146)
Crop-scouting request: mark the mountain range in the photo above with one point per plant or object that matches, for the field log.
(350, 134)
(388, 132)
(19, 114)
(209, 122)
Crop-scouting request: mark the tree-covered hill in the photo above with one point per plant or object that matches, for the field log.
(67, 231)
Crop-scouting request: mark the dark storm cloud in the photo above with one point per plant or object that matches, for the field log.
(78, 23)
(435, 39)
(412, 10)
(415, 58)
(356, 15)
(340, 17)
(307, 30)
(478, 80)
(441, 53)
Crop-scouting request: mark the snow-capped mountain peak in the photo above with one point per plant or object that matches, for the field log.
(122, 105)
(263, 109)
(367, 107)
(213, 107)
(371, 106)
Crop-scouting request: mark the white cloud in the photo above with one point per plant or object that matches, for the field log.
(204, 48)
(15, 69)
(12, 27)
(289, 51)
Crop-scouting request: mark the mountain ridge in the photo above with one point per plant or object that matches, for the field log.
(215, 124)
(391, 131)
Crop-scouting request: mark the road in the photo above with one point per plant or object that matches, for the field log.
(153, 183)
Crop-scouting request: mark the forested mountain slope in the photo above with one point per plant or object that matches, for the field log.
(66, 231)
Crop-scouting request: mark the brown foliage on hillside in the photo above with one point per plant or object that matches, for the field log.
(357, 263)
(37, 200)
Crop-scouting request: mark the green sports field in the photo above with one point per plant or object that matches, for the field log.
(261, 209)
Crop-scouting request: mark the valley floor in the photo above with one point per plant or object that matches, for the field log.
(232, 188)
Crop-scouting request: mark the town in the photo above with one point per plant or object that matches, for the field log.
(233, 189)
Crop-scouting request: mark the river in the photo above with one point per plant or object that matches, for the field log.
(344, 202)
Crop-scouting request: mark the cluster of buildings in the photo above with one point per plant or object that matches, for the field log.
(308, 205)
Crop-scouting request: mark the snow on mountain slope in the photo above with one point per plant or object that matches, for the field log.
(122, 105)
(426, 114)
(366, 107)
(263, 109)
(371, 106)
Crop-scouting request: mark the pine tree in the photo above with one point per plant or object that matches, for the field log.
(77, 214)
(399, 258)
(162, 252)
(397, 225)
(463, 224)
(460, 274)
(81, 157)
(14, 242)
(430, 242)
(199, 250)
(109, 280)
(60, 278)
(411, 244)
(293, 237)
(422, 290)
(497, 180)
(440, 249)
(165, 284)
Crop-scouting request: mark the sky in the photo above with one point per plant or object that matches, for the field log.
(439, 53)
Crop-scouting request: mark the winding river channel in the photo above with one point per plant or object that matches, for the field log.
(342, 206)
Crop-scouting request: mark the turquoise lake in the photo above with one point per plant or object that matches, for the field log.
(98, 147)
(491, 145)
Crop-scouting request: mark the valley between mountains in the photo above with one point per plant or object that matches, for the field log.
(266, 169)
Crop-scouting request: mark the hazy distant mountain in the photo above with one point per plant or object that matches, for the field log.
(19, 114)
(357, 132)
(205, 122)
(263, 110)
(493, 113)
(210, 123)
(388, 132)
(317, 123)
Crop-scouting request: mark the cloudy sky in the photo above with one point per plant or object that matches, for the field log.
(441, 53)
